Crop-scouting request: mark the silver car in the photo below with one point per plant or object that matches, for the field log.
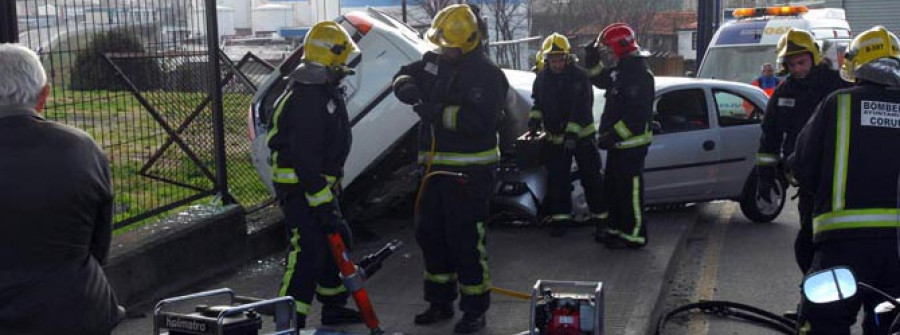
(706, 133)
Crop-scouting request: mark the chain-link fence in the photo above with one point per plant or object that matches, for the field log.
(136, 75)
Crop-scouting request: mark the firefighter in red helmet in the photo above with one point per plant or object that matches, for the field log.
(624, 131)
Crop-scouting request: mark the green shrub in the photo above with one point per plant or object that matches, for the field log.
(92, 72)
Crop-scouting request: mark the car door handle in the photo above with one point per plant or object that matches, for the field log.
(709, 145)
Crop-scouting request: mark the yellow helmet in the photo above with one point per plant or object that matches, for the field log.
(795, 42)
(455, 27)
(539, 60)
(868, 46)
(328, 44)
(556, 44)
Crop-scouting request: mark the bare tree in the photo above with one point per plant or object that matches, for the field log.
(507, 17)
(431, 7)
(570, 16)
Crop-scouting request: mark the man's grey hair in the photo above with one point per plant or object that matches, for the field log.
(22, 76)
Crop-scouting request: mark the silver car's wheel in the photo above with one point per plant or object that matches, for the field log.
(757, 209)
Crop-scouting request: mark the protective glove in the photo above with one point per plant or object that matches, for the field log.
(569, 143)
(329, 217)
(591, 56)
(534, 125)
(606, 141)
(429, 111)
(406, 91)
(765, 183)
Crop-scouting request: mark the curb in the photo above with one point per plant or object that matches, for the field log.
(146, 267)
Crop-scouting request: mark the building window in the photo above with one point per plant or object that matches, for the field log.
(693, 40)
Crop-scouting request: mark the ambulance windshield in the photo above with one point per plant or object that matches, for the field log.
(739, 64)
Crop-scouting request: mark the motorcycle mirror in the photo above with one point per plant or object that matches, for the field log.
(829, 285)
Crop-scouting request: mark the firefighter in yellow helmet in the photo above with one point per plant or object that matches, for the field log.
(563, 98)
(310, 140)
(808, 81)
(458, 94)
(844, 156)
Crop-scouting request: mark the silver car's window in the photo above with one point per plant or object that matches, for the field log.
(681, 110)
(734, 110)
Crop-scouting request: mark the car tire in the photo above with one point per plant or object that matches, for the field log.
(755, 208)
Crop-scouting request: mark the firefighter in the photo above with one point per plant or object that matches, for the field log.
(458, 94)
(310, 140)
(563, 98)
(843, 157)
(767, 81)
(624, 131)
(809, 81)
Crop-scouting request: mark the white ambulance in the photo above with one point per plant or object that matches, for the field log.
(742, 45)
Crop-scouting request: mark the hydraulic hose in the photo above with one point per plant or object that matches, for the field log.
(728, 309)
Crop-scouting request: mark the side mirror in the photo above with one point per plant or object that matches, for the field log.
(829, 285)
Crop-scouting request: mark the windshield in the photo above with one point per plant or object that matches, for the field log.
(739, 64)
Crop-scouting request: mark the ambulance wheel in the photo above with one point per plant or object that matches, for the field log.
(758, 210)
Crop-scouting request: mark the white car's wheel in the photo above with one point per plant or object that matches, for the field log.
(757, 209)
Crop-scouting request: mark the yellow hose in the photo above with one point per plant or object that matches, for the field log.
(510, 293)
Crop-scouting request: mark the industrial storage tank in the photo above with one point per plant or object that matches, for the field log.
(268, 18)
(225, 16)
(242, 9)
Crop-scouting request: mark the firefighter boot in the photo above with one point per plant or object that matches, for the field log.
(469, 323)
(434, 313)
(336, 314)
(301, 321)
(601, 224)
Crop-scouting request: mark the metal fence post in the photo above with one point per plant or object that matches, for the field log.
(215, 91)
(9, 24)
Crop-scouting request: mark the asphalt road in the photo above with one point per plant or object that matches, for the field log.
(728, 257)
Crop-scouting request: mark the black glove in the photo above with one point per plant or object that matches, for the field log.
(406, 90)
(765, 183)
(328, 216)
(569, 143)
(429, 111)
(606, 141)
(591, 56)
(534, 125)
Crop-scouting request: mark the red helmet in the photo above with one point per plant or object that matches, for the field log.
(620, 38)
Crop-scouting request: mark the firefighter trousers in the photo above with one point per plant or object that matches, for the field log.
(874, 262)
(559, 179)
(310, 266)
(624, 189)
(803, 244)
(450, 230)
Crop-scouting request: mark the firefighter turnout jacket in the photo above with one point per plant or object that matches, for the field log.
(310, 139)
(790, 106)
(629, 102)
(563, 103)
(472, 94)
(843, 156)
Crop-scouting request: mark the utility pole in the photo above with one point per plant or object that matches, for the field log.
(707, 22)
(404, 11)
(9, 26)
